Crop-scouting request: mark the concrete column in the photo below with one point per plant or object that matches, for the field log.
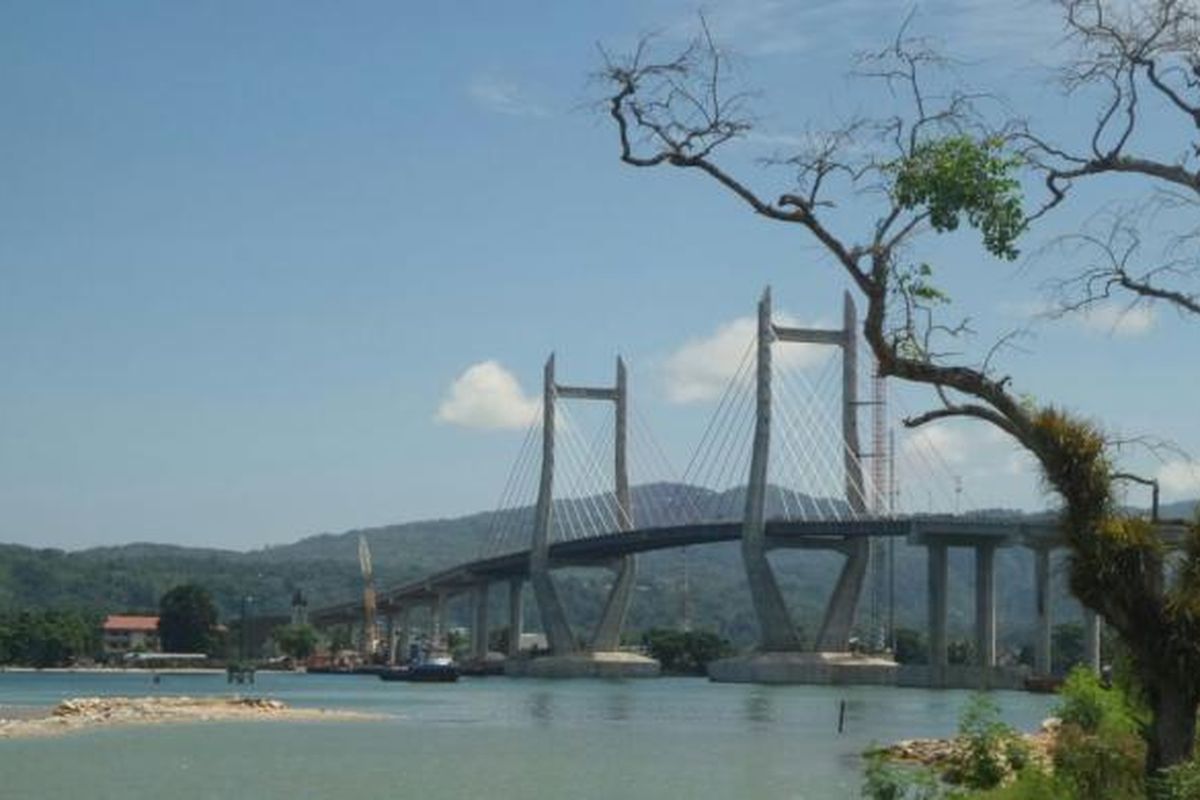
(938, 580)
(834, 634)
(403, 637)
(1042, 653)
(607, 636)
(985, 605)
(438, 636)
(479, 630)
(554, 620)
(776, 632)
(855, 493)
(516, 616)
(390, 634)
(1093, 624)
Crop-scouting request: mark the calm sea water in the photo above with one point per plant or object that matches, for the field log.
(483, 738)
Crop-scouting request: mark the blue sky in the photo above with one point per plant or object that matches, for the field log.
(247, 249)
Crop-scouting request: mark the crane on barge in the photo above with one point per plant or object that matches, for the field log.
(370, 637)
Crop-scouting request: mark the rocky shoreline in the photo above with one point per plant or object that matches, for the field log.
(944, 754)
(91, 712)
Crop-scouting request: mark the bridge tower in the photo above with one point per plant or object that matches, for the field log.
(778, 633)
(558, 632)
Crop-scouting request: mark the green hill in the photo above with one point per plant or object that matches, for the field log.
(325, 567)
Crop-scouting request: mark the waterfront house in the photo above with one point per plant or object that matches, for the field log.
(125, 633)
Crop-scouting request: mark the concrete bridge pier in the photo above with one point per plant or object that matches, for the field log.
(938, 581)
(437, 639)
(1042, 643)
(389, 636)
(985, 605)
(516, 616)
(479, 628)
(607, 637)
(401, 635)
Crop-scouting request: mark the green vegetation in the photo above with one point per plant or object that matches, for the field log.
(886, 780)
(1098, 753)
(187, 618)
(685, 652)
(297, 642)
(993, 750)
(960, 176)
(911, 647)
(131, 579)
(47, 638)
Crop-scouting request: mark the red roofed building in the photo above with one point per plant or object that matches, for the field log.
(124, 633)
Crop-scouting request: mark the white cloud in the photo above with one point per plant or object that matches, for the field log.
(487, 396)
(1109, 318)
(1118, 320)
(503, 96)
(1179, 478)
(702, 368)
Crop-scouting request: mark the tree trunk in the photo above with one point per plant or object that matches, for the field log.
(1172, 733)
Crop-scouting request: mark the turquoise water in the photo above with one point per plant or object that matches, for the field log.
(483, 738)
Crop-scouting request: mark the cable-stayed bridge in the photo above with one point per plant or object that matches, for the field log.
(781, 464)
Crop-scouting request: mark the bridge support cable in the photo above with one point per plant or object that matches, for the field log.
(798, 435)
(823, 425)
(663, 502)
(519, 489)
(518, 494)
(711, 455)
(920, 463)
(566, 522)
(731, 463)
(735, 383)
(829, 468)
(597, 501)
(809, 477)
(712, 469)
(819, 445)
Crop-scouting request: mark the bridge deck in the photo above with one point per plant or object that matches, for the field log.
(951, 531)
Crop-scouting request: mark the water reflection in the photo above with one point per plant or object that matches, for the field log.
(618, 706)
(541, 707)
(758, 707)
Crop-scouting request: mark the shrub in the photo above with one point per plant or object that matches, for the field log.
(885, 780)
(1106, 764)
(1031, 784)
(989, 746)
(1181, 782)
(1092, 708)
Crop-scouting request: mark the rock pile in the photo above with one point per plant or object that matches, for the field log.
(86, 712)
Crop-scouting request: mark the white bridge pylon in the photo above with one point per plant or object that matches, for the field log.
(776, 629)
(607, 635)
(733, 478)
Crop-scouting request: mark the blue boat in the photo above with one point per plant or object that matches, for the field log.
(438, 669)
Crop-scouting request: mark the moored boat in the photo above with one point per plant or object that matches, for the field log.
(434, 670)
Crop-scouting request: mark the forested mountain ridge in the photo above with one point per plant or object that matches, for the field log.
(325, 567)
